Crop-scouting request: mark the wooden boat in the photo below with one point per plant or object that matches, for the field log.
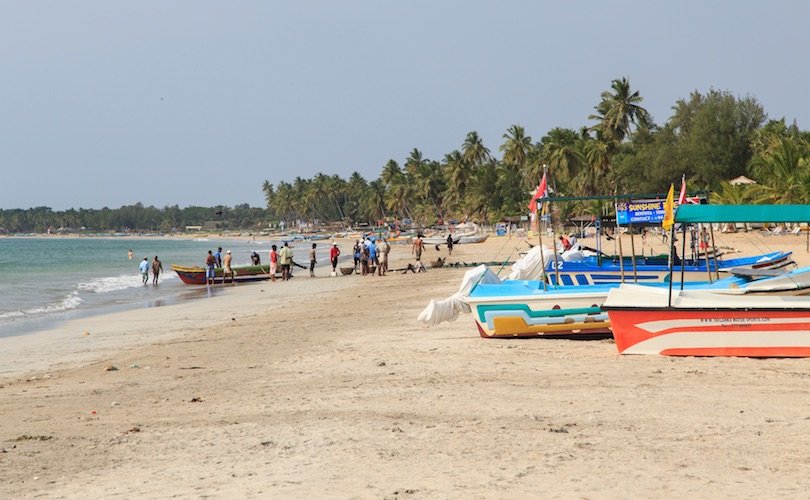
(196, 275)
(705, 323)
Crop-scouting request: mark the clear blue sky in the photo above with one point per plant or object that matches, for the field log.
(198, 102)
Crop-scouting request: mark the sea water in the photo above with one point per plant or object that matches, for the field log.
(47, 280)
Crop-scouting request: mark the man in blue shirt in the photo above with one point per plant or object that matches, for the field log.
(218, 257)
(144, 268)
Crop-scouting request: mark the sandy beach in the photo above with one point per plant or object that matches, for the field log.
(330, 388)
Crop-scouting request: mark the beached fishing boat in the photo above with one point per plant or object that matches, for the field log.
(526, 309)
(464, 234)
(705, 323)
(593, 270)
(196, 275)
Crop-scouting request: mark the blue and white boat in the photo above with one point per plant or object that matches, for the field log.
(596, 270)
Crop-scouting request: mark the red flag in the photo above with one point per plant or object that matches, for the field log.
(540, 193)
(682, 197)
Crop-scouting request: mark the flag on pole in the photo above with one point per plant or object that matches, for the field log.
(539, 193)
(682, 196)
(669, 209)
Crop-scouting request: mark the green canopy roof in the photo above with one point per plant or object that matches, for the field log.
(693, 214)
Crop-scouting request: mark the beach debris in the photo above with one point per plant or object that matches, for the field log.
(115, 403)
(133, 430)
(134, 366)
(93, 412)
(191, 368)
(110, 368)
(381, 363)
(560, 430)
(196, 399)
(86, 333)
(30, 437)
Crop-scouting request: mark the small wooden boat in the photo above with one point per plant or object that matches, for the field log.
(196, 275)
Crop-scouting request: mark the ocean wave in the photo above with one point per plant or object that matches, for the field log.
(116, 283)
(72, 301)
(111, 283)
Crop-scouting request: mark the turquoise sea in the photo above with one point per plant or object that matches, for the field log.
(47, 280)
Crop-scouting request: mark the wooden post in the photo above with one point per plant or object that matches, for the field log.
(540, 242)
(683, 253)
(621, 255)
(714, 253)
(633, 253)
(706, 255)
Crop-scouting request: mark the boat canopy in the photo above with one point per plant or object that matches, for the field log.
(695, 214)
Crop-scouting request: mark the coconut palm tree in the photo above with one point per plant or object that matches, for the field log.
(618, 110)
(457, 174)
(474, 151)
(780, 169)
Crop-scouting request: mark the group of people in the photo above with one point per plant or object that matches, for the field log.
(371, 256)
(156, 267)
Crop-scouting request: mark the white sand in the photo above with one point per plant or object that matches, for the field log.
(330, 388)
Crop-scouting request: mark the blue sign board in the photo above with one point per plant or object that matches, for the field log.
(639, 212)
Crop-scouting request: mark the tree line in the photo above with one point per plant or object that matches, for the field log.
(710, 138)
(131, 218)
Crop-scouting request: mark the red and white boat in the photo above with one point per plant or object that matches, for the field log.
(703, 323)
(772, 323)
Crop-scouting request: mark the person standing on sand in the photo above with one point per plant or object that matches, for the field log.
(286, 257)
(356, 251)
(334, 253)
(210, 264)
(227, 270)
(386, 249)
(273, 262)
(372, 256)
(312, 260)
(418, 247)
(144, 269)
(363, 259)
(218, 257)
(157, 268)
(449, 244)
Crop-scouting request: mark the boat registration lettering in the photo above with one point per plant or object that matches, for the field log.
(735, 320)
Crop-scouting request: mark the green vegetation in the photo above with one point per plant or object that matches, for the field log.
(131, 218)
(711, 138)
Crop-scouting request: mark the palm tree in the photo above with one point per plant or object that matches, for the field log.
(781, 168)
(618, 110)
(516, 147)
(474, 151)
(457, 173)
(414, 162)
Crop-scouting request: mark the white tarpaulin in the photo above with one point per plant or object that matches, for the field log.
(439, 311)
(530, 266)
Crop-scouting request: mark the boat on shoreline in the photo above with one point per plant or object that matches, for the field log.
(195, 275)
(527, 309)
(594, 270)
(705, 323)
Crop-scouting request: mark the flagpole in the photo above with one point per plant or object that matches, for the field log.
(540, 242)
(553, 236)
(539, 217)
